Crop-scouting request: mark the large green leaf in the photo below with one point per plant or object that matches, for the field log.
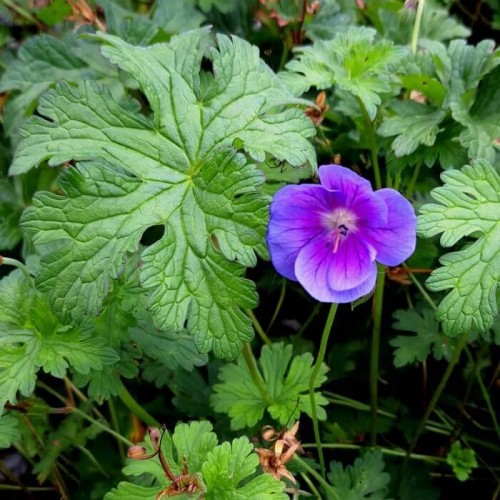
(176, 169)
(468, 206)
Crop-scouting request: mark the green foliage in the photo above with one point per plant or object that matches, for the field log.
(461, 460)
(428, 338)
(353, 61)
(365, 479)
(173, 170)
(31, 338)
(468, 206)
(286, 379)
(225, 471)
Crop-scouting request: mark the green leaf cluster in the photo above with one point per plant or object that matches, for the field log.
(31, 338)
(224, 471)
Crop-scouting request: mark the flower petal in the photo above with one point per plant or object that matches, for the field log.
(295, 220)
(336, 177)
(339, 276)
(358, 192)
(395, 240)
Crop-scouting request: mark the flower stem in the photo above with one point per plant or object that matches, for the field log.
(328, 489)
(375, 350)
(437, 393)
(129, 401)
(255, 374)
(312, 383)
(373, 144)
(416, 26)
(258, 328)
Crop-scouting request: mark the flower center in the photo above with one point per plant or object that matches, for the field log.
(339, 223)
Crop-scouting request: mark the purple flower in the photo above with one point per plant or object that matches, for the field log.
(329, 236)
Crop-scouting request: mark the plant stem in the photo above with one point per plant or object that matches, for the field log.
(385, 451)
(437, 393)
(258, 328)
(278, 305)
(15, 263)
(373, 144)
(255, 374)
(484, 392)
(312, 383)
(116, 426)
(328, 489)
(21, 12)
(416, 26)
(375, 352)
(411, 185)
(129, 401)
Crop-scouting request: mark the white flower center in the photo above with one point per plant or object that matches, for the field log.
(339, 223)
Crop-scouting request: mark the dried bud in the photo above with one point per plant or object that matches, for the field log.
(136, 452)
(154, 434)
(268, 433)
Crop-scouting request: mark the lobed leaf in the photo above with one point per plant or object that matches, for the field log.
(176, 169)
(469, 206)
(286, 378)
(353, 61)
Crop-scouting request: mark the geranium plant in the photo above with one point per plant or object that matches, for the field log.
(249, 249)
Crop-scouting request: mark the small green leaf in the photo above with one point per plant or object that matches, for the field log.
(126, 491)
(428, 338)
(53, 13)
(230, 464)
(413, 125)
(364, 479)
(462, 461)
(286, 378)
(469, 206)
(354, 62)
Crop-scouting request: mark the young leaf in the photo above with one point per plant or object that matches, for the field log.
(286, 378)
(428, 338)
(413, 125)
(462, 461)
(230, 464)
(469, 204)
(353, 61)
(364, 479)
(177, 170)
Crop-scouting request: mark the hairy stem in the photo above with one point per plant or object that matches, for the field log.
(15, 263)
(416, 26)
(312, 383)
(255, 374)
(373, 144)
(258, 328)
(375, 350)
